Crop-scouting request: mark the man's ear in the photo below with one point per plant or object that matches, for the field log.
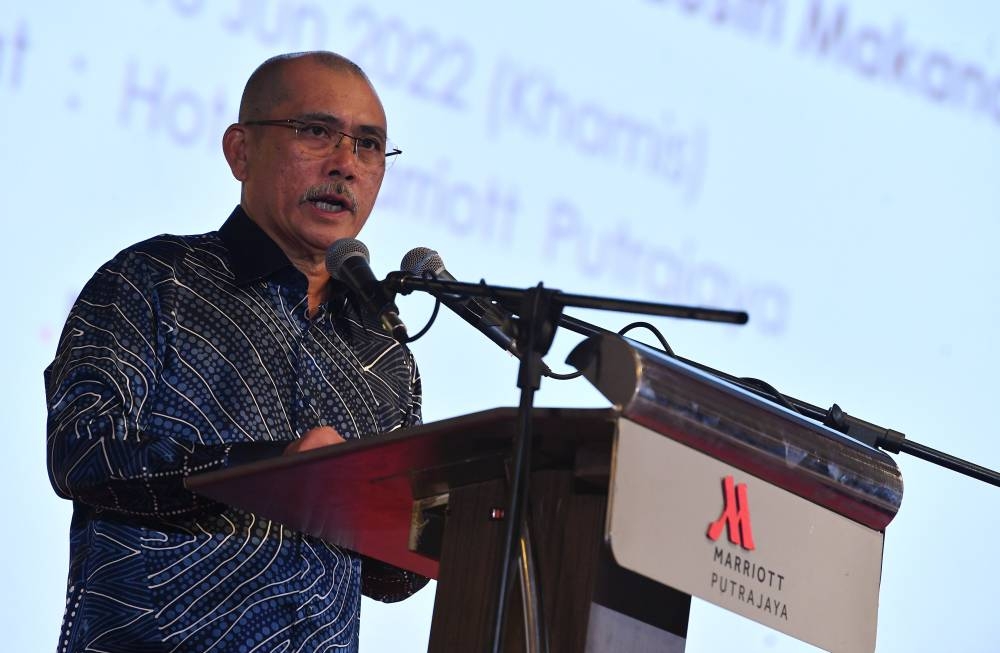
(234, 146)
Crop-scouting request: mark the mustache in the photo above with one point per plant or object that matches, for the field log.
(333, 190)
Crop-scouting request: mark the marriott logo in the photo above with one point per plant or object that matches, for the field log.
(735, 517)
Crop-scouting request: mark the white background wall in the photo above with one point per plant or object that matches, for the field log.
(830, 166)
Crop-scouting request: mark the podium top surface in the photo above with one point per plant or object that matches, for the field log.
(392, 470)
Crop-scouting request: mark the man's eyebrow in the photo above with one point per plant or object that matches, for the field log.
(373, 130)
(331, 119)
(321, 117)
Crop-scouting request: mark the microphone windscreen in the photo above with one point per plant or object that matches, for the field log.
(340, 251)
(421, 260)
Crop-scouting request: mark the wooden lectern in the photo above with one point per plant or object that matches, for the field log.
(689, 486)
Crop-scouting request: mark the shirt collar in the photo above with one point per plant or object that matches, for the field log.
(255, 257)
(252, 252)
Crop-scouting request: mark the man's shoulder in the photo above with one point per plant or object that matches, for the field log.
(169, 252)
(173, 247)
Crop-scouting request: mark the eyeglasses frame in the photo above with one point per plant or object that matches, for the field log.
(298, 125)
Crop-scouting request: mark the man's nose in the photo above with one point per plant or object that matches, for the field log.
(343, 160)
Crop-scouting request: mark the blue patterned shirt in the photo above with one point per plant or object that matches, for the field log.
(190, 353)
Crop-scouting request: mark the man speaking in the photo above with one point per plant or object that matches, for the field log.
(190, 353)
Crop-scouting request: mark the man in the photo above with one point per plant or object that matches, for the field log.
(190, 353)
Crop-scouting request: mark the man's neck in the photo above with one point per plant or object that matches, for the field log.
(318, 285)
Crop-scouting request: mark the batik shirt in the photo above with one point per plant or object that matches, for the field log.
(185, 354)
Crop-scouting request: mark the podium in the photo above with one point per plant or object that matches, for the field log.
(688, 486)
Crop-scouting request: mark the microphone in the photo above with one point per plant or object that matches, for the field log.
(477, 311)
(347, 261)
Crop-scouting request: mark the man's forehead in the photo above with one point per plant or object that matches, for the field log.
(334, 95)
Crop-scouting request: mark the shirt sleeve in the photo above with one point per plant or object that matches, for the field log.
(102, 445)
(414, 415)
(386, 583)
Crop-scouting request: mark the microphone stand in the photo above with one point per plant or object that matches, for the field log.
(540, 315)
(540, 312)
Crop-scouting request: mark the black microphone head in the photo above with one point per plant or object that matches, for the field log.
(340, 252)
(421, 260)
(347, 262)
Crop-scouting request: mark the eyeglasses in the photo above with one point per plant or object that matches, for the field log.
(320, 139)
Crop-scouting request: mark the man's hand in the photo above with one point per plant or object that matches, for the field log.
(320, 436)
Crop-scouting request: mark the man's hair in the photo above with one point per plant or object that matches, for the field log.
(266, 89)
